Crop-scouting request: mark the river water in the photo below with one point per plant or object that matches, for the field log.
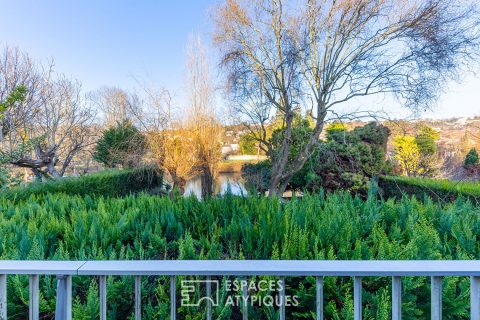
(224, 182)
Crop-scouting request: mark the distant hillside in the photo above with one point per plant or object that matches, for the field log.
(456, 135)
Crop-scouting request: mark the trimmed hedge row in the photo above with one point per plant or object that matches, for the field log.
(437, 189)
(111, 183)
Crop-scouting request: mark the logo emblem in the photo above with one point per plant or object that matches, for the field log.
(191, 287)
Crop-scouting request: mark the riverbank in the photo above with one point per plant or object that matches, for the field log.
(233, 164)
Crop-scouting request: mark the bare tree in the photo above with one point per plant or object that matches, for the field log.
(202, 119)
(115, 105)
(184, 142)
(170, 140)
(174, 151)
(18, 70)
(51, 125)
(152, 109)
(284, 57)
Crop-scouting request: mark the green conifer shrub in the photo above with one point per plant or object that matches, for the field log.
(471, 159)
(334, 226)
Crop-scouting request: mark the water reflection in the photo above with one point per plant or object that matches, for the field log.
(223, 183)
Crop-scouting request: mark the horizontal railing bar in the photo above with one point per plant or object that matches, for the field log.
(40, 267)
(436, 269)
(283, 268)
(363, 268)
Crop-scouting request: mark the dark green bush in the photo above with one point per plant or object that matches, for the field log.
(346, 160)
(111, 183)
(471, 158)
(437, 189)
(122, 145)
(257, 176)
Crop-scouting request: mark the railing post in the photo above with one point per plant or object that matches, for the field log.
(3, 297)
(33, 304)
(436, 304)
(209, 294)
(396, 298)
(319, 287)
(245, 298)
(103, 297)
(474, 298)
(63, 307)
(173, 302)
(282, 298)
(357, 298)
(69, 297)
(138, 297)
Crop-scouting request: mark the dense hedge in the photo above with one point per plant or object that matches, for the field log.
(111, 183)
(336, 226)
(439, 190)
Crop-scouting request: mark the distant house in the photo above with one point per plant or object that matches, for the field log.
(230, 148)
(226, 149)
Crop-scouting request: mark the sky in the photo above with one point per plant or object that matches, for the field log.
(118, 43)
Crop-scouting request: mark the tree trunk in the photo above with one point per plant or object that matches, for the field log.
(181, 183)
(207, 183)
(178, 182)
(278, 169)
(275, 183)
(37, 174)
(51, 170)
(67, 161)
(280, 176)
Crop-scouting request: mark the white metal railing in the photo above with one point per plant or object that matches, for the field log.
(65, 270)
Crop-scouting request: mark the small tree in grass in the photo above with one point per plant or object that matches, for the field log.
(407, 154)
(426, 140)
(471, 160)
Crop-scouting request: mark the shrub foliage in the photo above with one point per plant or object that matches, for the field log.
(436, 189)
(471, 159)
(345, 160)
(111, 183)
(122, 145)
(337, 226)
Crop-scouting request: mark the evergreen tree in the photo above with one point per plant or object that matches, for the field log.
(417, 155)
(471, 159)
(122, 145)
(426, 140)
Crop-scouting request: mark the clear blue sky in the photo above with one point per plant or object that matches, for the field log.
(107, 43)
